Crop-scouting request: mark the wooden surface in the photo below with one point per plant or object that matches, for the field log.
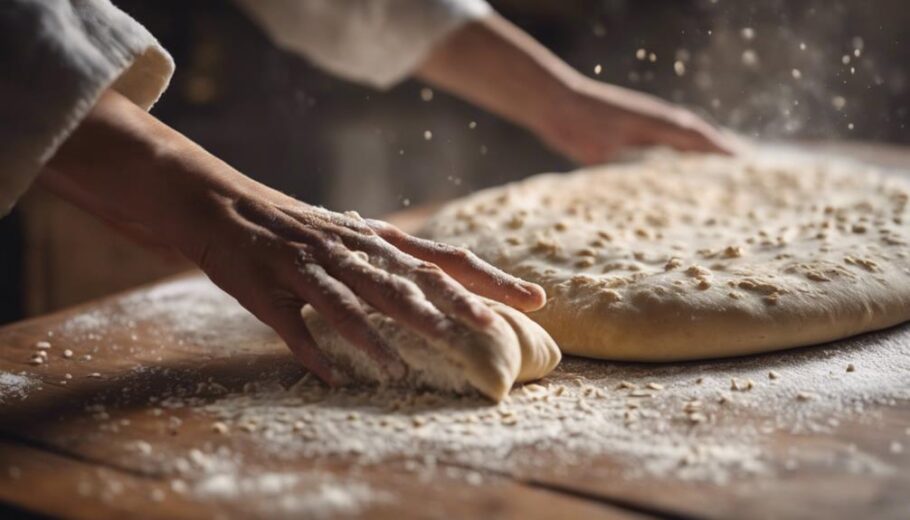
(62, 455)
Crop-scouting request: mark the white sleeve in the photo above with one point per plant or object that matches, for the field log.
(378, 42)
(57, 57)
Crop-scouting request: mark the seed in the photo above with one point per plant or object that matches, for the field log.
(805, 396)
(219, 427)
(773, 375)
(851, 368)
(697, 418)
(692, 406)
(627, 385)
(43, 345)
(655, 386)
(67, 354)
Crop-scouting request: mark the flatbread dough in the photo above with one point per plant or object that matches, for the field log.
(680, 257)
(513, 349)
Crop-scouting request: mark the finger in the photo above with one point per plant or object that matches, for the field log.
(343, 311)
(439, 288)
(393, 295)
(465, 267)
(686, 132)
(289, 324)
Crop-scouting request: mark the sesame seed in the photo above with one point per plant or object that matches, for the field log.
(805, 396)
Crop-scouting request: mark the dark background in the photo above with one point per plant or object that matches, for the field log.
(284, 122)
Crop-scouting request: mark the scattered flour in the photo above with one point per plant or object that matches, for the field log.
(678, 421)
(309, 495)
(15, 386)
(712, 421)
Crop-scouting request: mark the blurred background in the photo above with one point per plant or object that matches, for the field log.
(780, 70)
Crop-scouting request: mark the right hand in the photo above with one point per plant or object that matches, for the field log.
(276, 254)
(273, 253)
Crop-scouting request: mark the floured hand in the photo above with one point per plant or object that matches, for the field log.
(278, 254)
(274, 253)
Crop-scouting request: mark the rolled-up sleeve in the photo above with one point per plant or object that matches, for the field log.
(377, 42)
(56, 59)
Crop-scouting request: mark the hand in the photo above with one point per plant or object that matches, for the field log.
(275, 254)
(270, 251)
(597, 121)
(498, 66)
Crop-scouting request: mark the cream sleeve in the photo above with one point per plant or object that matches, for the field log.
(57, 57)
(377, 42)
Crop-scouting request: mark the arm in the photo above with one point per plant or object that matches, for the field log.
(270, 251)
(464, 47)
(496, 65)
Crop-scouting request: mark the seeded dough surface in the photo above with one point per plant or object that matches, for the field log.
(677, 257)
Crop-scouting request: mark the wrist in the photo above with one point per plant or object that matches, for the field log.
(559, 105)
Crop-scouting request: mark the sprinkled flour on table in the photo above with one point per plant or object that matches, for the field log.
(310, 495)
(683, 421)
(703, 421)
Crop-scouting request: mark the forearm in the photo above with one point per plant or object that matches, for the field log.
(496, 65)
(127, 167)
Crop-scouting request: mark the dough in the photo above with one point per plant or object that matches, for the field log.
(678, 257)
(514, 349)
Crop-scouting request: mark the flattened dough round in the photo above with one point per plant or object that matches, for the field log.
(680, 257)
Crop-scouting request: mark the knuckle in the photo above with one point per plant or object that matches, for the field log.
(431, 272)
(458, 253)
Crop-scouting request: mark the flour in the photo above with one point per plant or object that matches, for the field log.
(687, 423)
(15, 386)
(310, 495)
(679, 421)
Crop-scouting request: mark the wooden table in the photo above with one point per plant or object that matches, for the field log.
(98, 443)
